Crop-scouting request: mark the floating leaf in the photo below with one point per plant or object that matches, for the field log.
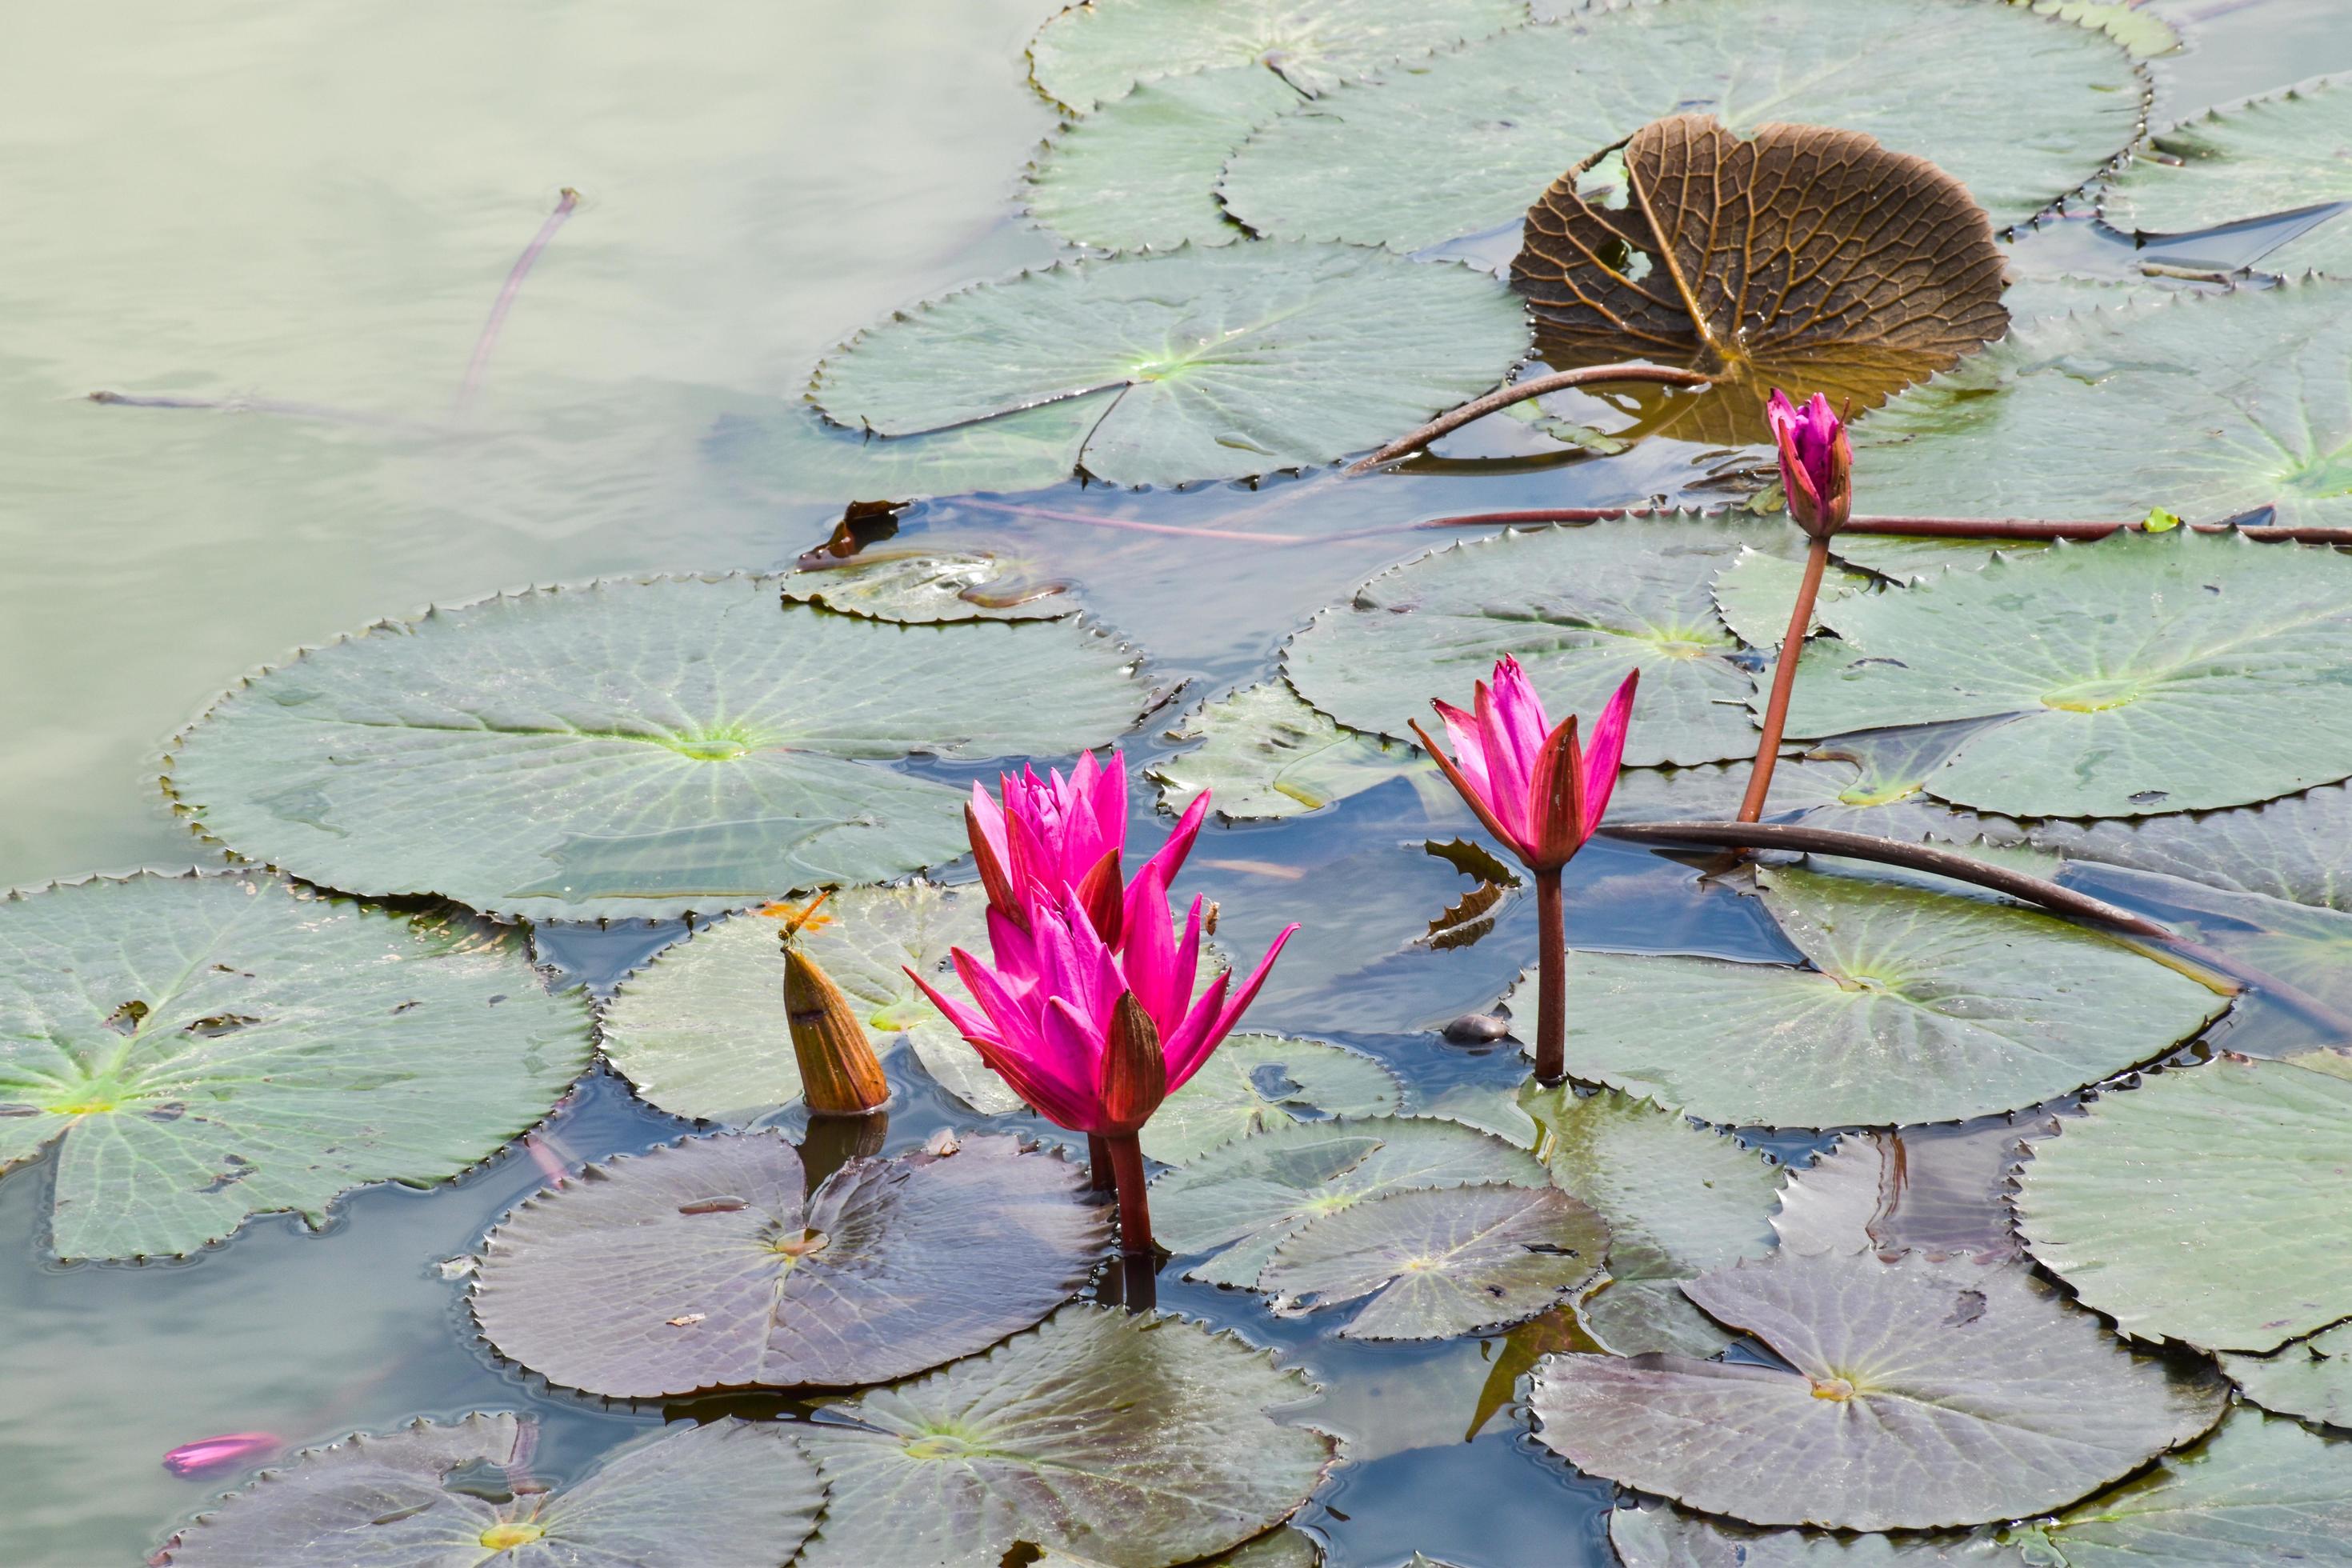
(793, 452)
(1663, 1536)
(2117, 668)
(1918, 1006)
(1679, 1200)
(1141, 172)
(2031, 428)
(1438, 1262)
(1483, 130)
(1283, 1547)
(1942, 1192)
(1757, 593)
(1799, 256)
(917, 586)
(1255, 1192)
(707, 1264)
(2310, 1378)
(2299, 848)
(731, 1494)
(1096, 51)
(1268, 754)
(1579, 606)
(634, 748)
(202, 1049)
(2143, 32)
(2193, 1207)
(1920, 1395)
(701, 1032)
(2261, 160)
(1141, 1441)
(1254, 1082)
(1205, 364)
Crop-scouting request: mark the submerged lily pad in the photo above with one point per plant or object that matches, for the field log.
(2263, 159)
(1267, 755)
(195, 1050)
(1098, 50)
(1256, 1191)
(1919, 1005)
(1680, 1201)
(701, 1031)
(1201, 363)
(921, 587)
(707, 1264)
(2298, 849)
(1580, 608)
(2113, 666)
(731, 1494)
(1483, 130)
(1142, 1441)
(1253, 1082)
(1921, 1396)
(634, 748)
(2031, 426)
(1437, 1262)
(1140, 173)
(2196, 1206)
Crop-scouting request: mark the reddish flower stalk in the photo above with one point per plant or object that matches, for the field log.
(1817, 475)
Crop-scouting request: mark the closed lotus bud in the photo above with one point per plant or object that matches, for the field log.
(839, 1074)
(1134, 1071)
(1816, 462)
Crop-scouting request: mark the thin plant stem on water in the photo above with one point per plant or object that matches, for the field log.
(1817, 475)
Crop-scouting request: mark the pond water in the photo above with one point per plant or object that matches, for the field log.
(297, 218)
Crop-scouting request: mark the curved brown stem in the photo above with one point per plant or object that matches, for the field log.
(1784, 679)
(1520, 392)
(1100, 1174)
(1551, 980)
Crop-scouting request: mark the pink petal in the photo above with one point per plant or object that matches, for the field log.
(1469, 745)
(1601, 764)
(1150, 960)
(1506, 775)
(1170, 858)
(219, 1453)
(1191, 1042)
(1240, 1005)
(1522, 712)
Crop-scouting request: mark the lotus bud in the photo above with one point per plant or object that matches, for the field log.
(230, 1449)
(1816, 462)
(839, 1074)
(1134, 1071)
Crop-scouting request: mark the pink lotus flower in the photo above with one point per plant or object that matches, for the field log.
(1527, 779)
(1060, 839)
(1816, 462)
(228, 1451)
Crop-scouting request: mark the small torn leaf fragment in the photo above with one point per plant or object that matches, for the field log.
(923, 587)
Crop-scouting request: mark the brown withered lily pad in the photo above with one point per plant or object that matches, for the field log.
(1803, 257)
(701, 1265)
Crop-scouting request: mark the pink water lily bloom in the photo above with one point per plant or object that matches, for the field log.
(1527, 779)
(1058, 838)
(230, 1449)
(1816, 462)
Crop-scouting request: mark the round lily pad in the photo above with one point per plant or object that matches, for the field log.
(1211, 364)
(1917, 1005)
(1141, 1441)
(1579, 607)
(1680, 1201)
(1438, 1262)
(1253, 1082)
(2198, 1207)
(1919, 1395)
(1096, 51)
(1265, 754)
(731, 1494)
(1485, 129)
(1141, 172)
(2298, 849)
(1256, 1191)
(195, 1050)
(707, 1264)
(701, 1031)
(634, 748)
(2115, 664)
(2271, 156)
(2031, 426)
(2310, 1378)
(915, 587)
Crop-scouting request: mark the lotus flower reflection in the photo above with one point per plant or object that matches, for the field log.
(1542, 794)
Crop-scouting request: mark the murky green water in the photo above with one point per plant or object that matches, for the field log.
(310, 209)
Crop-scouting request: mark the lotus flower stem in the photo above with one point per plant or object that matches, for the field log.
(489, 340)
(1784, 679)
(1551, 981)
(1099, 1164)
(1134, 1203)
(1520, 392)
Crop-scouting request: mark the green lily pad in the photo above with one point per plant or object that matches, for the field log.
(1757, 593)
(1139, 1440)
(1922, 1396)
(2031, 426)
(1141, 172)
(915, 586)
(2255, 160)
(2115, 664)
(1486, 129)
(1210, 363)
(1438, 1262)
(631, 749)
(2310, 1378)
(708, 1264)
(1285, 1548)
(1661, 1535)
(2194, 1206)
(195, 1050)
(791, 452)
(700, 1031)
(1919, 1005)
(1579, 606)
(2143, 32)
(1680, 1201)
(1267, 755)
(1253, 1082)
(731, 1494)
(1093, 52)
(2298, 849)
(1942, 1192)
(1249, 1195)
